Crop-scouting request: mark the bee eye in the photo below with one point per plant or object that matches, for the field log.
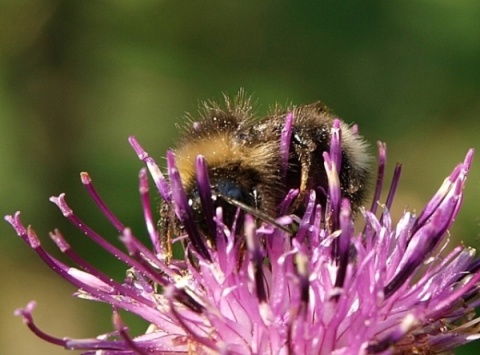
(230, 189)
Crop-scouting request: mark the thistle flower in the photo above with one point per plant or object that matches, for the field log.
(325, 289)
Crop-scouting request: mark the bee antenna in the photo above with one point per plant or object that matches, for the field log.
(256, 213)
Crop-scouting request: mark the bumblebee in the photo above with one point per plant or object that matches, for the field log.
(244, 158)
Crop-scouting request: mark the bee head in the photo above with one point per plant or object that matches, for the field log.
(226, 185)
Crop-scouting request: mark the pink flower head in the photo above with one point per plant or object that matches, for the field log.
(305, 284)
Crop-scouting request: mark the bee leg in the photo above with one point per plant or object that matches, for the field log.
(305, 164)
(304, 150)
(166, 229)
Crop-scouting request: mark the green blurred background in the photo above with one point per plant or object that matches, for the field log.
(77, 78)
